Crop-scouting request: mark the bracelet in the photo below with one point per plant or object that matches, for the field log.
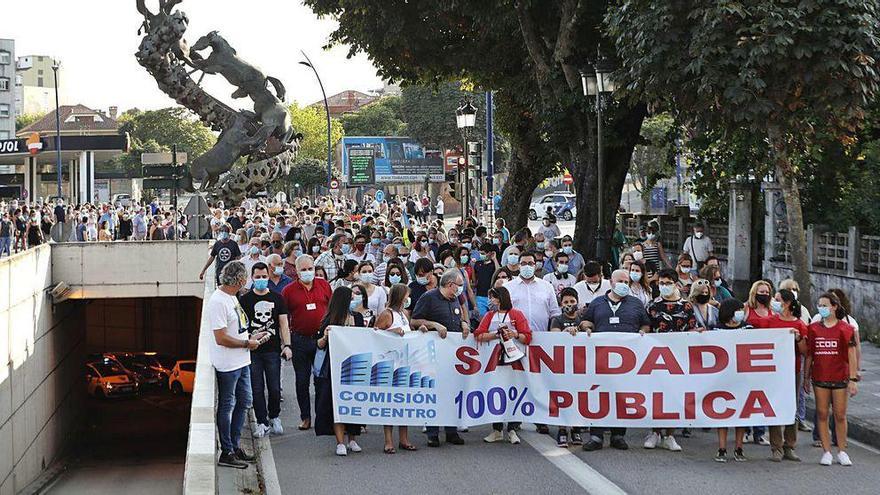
(288, 346)
(856, 379)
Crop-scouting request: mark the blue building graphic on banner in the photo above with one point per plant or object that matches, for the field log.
(403, 368)
(381, 374)
(356, 369)
(401, 377)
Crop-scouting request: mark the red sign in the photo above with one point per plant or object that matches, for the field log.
(567, 180)
(334, 184)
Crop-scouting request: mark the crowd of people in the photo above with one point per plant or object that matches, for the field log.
(290, 274)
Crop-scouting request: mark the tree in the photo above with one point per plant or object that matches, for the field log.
(307, 172)
(380, 118)
(780, 70)
(312, 123)
(27, 119)
(652, 158)
(158, 130)
(531, 51)
(429, 111)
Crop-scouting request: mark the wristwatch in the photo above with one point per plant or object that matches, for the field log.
(856, 379)
(288, 346)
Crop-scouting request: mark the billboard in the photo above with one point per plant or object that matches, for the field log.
(395, 159)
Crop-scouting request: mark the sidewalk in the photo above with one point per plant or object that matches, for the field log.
(863, 412)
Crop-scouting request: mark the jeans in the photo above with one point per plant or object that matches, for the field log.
(482, 305)
(6, 246)
(233, 400)
(266, 374)
(801, 395)
(303, 356)
(597, 433)
(510, 426)
(434, 431)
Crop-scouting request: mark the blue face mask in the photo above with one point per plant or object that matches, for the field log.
(464, 259)
(261, 283)
(254, 250)
(459, 290)
(824, 311)
(497, 242)
(739, 316)
(223, 236)
(621, 289)
(527, 271)
(635, 276)
(407, 302)
(375, 241)
(352, 306)
(466, 244)
(512, 259)
(389, 235)
(346, 248)
(539, 245)
(776, 306)
(567, 249)
(279, 270)
(394, 279)
(666, 290)
(422, 280)
(307, 276)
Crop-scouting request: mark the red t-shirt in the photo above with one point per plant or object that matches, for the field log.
(800, 326)
(829, 348)
(758, 321)
(306, 308)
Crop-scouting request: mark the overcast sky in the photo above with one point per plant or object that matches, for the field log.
(96, 41)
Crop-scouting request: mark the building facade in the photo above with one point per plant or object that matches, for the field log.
(35, 85)
(7, 89)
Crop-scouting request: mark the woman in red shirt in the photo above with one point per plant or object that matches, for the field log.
(831, 365)
(787, 314)
(758, 312)
(514, 325)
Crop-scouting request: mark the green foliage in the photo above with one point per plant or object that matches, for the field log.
(308, 173)
(652, 160)
(158, 130)
(27, 119)
(429, 112)
(380, 118)
(312, 123)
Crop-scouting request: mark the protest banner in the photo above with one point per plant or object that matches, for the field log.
(710, 379)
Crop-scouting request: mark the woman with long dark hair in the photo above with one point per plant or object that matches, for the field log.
(338, 315)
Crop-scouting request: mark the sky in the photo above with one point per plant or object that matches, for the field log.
(96, 41)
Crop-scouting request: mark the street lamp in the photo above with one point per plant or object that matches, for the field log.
(466, 119)
(598, 82)
(308, 63)
(56, 64)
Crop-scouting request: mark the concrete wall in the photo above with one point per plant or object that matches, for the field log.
(862, 291)
(41, 387)
(98, 270)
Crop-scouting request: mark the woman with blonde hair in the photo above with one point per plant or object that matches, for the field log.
(759, 315)
(705, 312)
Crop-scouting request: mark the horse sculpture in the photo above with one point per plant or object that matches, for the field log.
(264, 137)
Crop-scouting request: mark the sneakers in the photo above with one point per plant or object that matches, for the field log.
(576, 438)
(738, 455)
(260, 430)
(817, 444)
(747, 438)
(686, 432)
(826, 459)
(542, 429)
(455, 439)
(341, 450)
(776, 455)
(762, 440)
(228, 459)
(652, 440)
(721, 456)
(433, 441)
(801, 426)
(562, 439)
(354, 447)
(512, 437)
(241, 455)
(275, 426)
(843, 459)
(789, 455)
(618, 443)
(595, 443)
(670, 444)
(495, 436)
(463, 430)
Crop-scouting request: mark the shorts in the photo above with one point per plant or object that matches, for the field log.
(831, 385)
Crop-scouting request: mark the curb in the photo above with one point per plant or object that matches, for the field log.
(857, 429)
(266, 469)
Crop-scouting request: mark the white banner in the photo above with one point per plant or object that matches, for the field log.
(718, 378)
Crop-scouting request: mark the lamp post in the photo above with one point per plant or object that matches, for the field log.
(465, 119)
(308, 63)
(597, 83)
(56, 64)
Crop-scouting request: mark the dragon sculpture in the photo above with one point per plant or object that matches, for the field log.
(254, 147)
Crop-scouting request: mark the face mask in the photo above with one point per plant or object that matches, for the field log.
(527, 272)
(684, 269)
(638, 255)
(389, 235)
(464, 259)
(546, 223)
(315, 249)
(459, 290)
(307, 276)
(422, 280)
(569, 308)
(395, 279)
(824, 311)
(297, 237)
(375, 241)
(223, 236)
(407, 302)
(548, 253)
(776, 306)
(718, 283)
(279, 270)
(496, 241)
(635, 276)
(512, 259)
(352, 306)
(254, 250)
(666, 290)
(763, 299)
(621, 289)
(539, 245)
(466, 244)
(261, 283)
(702, 298)
(449, 264)
(698, 235)
(346, 248)
(650, 237)
(567, 249)
(562, 268)
(492, 306)
(739, 316)
(367, 278)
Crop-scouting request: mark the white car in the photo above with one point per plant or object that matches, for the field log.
(553, 200)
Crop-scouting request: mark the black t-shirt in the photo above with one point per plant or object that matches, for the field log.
(563, 321)
(264, 312)
(483, 271)
(416, 291)
(432, 306)
(6, 228)
(224, 252)
(59, 213)
(235, 223)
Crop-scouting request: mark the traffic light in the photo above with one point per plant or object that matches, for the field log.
(475, 155)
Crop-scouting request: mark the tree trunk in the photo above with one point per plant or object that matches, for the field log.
(525, 175)
(797, 237)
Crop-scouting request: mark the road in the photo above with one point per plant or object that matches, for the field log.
(307, 464)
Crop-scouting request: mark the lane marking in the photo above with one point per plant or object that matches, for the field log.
(853, 442)
(573, 466)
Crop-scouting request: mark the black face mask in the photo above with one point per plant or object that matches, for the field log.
(763, 299)
(702, 298)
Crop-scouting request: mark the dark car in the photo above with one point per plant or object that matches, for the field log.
(142, 369)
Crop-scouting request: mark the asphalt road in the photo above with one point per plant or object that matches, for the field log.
(307, 464)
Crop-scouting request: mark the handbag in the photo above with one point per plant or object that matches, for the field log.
(318, 363)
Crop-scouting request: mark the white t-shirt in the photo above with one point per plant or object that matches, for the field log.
(586, 293)
(377, 301)
(440, 206)
(560, 283)
(225, 312)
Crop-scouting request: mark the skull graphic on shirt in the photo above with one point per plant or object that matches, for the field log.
(263, 321)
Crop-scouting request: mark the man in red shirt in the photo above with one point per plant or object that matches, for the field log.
(306, 301)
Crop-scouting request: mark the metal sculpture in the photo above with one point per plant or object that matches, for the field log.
(264, 137)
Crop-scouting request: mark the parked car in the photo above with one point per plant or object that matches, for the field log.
(567, 211)
(143, 370)
(107, 378)
(121, 200)
(553, 201)
(182, 377)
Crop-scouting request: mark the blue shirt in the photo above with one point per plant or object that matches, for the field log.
(282, 283)
(631, 313)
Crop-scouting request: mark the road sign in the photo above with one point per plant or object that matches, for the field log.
(162, 158)
(159, 183)
(361, 166)
(334, 184)
(163, 171)
(567, 179)
(380, 195)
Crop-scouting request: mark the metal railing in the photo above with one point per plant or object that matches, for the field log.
(849, 252)
(674, 230)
